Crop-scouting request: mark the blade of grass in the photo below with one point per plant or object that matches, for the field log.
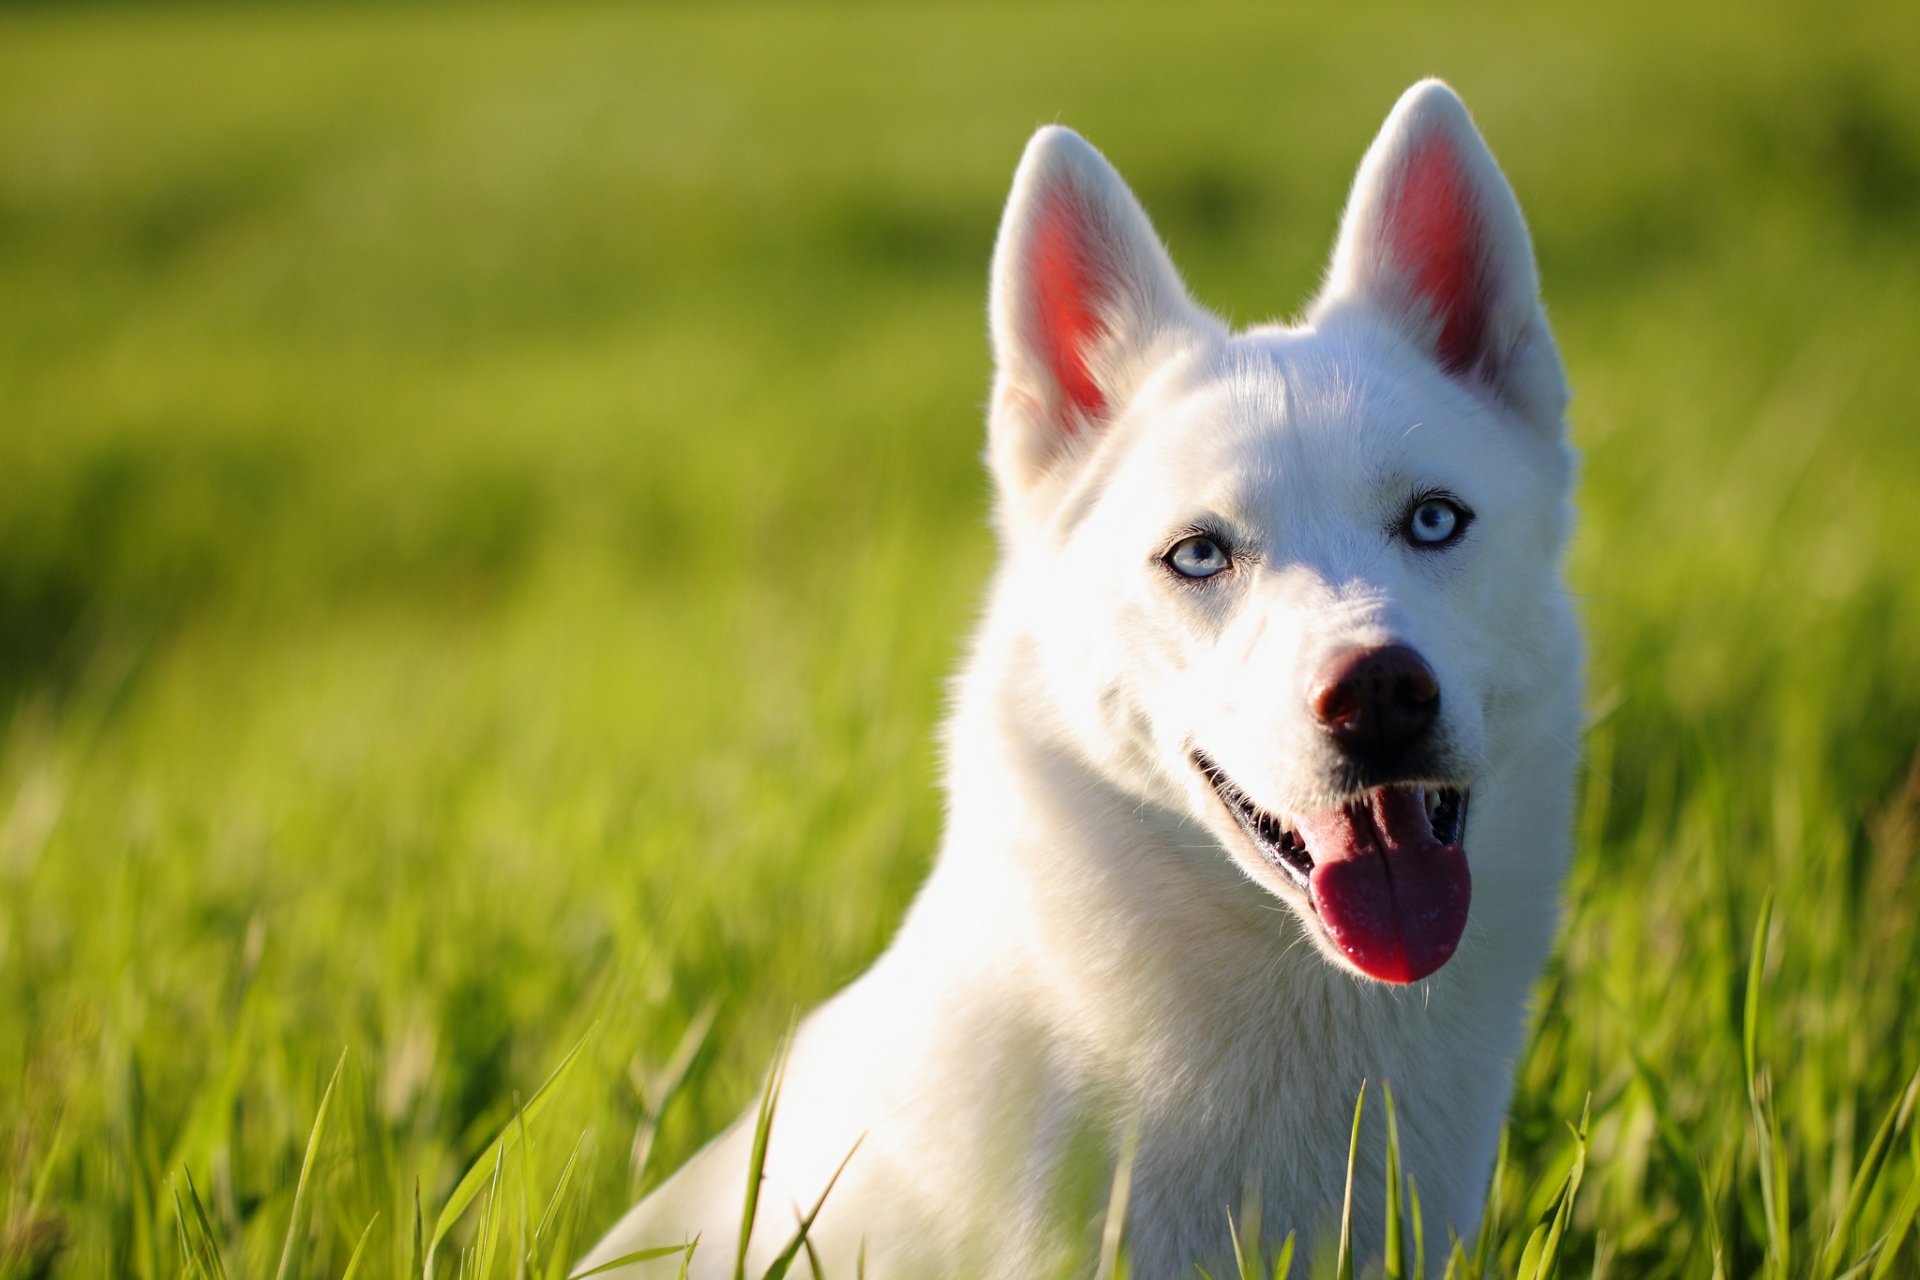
(1711, 1218)
(138, 1154)
(1250, 1229)
(641, 1255)
(559, 1188)
(43, 1177)
(489, 1234)
(213, 1109)
(416, 1259)
(1531, 1255)
(306, 1169)
(1283, 1261)
(1540, 1260)
(470, 1252)
(1602, 1256)
(757, 1162)
(209, 1239)
(658, 1091)
(1902, 1220)
(1563, 1212)
(189, 1258)
(1867, 1175)
(1859, 1270)
(1750, 1022)
(1113, 1229)
(358, 1255)
(1673, 1145)
(780, 1264)
(1458, 1263)
(1343, 1263)
(1393, 1243)
(1780, 1227)
(1483, 1246)
(1419, 1228)
(481, 1170)
(523, 1226)
(1771, 1161)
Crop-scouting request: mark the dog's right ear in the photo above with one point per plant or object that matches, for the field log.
(1083, 297)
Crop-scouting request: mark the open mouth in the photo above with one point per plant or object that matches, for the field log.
(1384, 871)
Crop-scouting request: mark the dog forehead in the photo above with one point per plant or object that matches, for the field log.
(1295, 413)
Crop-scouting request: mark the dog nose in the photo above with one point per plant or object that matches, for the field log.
(1376, 701)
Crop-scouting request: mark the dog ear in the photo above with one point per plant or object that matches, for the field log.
(1083, 294)
(1433, 239)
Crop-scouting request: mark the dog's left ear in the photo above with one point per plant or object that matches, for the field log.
(1433, 239)
(1084, 303)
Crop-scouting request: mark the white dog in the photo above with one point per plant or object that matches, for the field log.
(1274, 712)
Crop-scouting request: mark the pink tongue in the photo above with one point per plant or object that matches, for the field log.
(1391, 896)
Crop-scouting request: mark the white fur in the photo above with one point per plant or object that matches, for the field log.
(1098, 949)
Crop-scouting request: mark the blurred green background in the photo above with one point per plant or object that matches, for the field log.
(489, 499)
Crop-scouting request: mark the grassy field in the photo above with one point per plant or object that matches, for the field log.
(489, 498)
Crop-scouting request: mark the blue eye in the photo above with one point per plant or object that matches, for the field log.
(1435, 522)
(1197, 557)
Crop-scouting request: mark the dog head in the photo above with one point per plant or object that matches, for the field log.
(1299, 584)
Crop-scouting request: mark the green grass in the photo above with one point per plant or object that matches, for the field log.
(489, 498)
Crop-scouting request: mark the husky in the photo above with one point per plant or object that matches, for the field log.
(1259, 774)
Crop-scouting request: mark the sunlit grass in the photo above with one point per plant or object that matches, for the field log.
(489, 500)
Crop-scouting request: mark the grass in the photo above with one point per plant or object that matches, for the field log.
(491, 497)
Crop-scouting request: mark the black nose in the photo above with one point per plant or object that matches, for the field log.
(1375, 703)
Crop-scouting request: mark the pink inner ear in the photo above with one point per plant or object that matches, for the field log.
(1067, 293)
(1434, 235)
